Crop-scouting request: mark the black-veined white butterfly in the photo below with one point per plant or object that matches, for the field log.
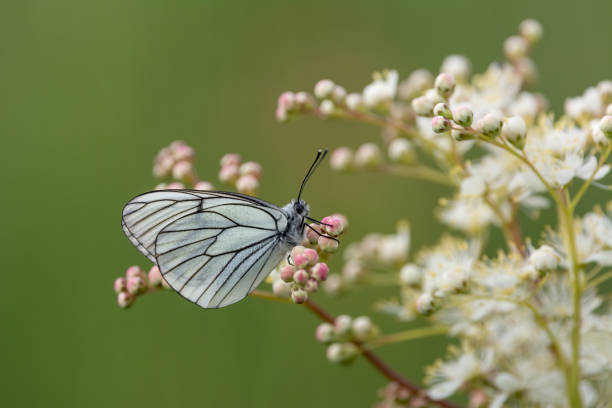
(213, 247)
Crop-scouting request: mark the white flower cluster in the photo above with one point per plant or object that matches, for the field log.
(533, 329)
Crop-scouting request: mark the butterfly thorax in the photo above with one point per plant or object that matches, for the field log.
(296, 212)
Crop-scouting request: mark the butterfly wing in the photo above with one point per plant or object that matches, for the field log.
(213, 248)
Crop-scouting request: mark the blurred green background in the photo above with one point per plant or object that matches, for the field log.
(91, 90)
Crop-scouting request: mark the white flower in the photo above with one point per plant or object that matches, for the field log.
(380, 90)
(544, 258)
(587, 105)
(451, 375)
(472, 187)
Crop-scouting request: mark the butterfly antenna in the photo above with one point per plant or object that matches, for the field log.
(320, 156)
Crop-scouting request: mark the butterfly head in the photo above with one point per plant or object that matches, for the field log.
(300, 208)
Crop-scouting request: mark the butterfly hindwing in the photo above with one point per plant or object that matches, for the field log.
(213, 248)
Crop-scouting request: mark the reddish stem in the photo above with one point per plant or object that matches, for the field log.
(379, 364)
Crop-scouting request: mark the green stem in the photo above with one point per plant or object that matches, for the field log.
(566, 219)
(407, 335)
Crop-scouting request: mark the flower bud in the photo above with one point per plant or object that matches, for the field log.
(338, 94)
(462, 115)
(311, 285)
(247, 184)
(605, 91)
(230, 159)
(286, 273)
(461, 135)
(445, 85)
(490, 125)
(323, 88)
(327, 244)
(515, 47)
(343, 221)
(605, 124)
(545, 258)
(363, 329)
(120, 284)
(165, 283)
(530, 30)
(183, 170)
(203, 186)
(609, 109)
(401, 151)
(229, 173)
(300, 276)
(300, 261)
(341, 353)
(155, 277)
(281, 289)
(354, 101)
(327, 108)
(313, 233)
(515, 131)
(299, 295)
(440, 124)
(182, 151)
(175, 186)
(124, 299)
(311, 255)
(286, 100)
(416, 83)
(367, 156)
(442, 109)
(425, 303)
(304, 100)
(133, 271)
(343, 324)
(458, 66)
(135, 285)
(325, 333)
(281, 114)
(341, 159)
(251, 168)
(297, 250)
(332, 225)
(319, 271)
(423, 106)
(411, 275)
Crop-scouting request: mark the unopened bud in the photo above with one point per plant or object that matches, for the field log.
(325, 333)
(605, 124)
(319, 271)
(425, 303)
(410, 275)
(531, 30)
(545, 258)
(440, 124)
(515, 131)
(323, 88)
(458, 66)
(462, 115)
(301, 276)
(327, 244)
(490, 125)
(401, 151)
(445, 85)
(442, 109)
(515, 47)
(343, 324)
(368, 156)
(155, 277)
(286, 273)
(341, 159)
(299, 295)
(120, 284)
(124, 299)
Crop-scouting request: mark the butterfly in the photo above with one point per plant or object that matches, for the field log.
(214, 247)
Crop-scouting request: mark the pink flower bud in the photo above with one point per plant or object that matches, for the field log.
(230, 159)
(251, 168)
(155, 277)
(301, 276)
(425, 303)
(182, 151)
(311, 235)
(324, 333)
(229, 173)
(286, 273)
(312, 285)
(135, 285)
(281, 289)
(299, 295)
(165, 284)
(311, 256)
(175, 186)
(120, 284)
(342, 324)
(320, 271)
(124, 299)
(343, 220)
(134, 271)
(327, 244)
(300, 261)
(286, 100)
(297, 250)
(281, 114)
(204, 186)
(323, 88)
(333, 225)
(183, 170)
(304, 100)
(341, 159)
(247, 184)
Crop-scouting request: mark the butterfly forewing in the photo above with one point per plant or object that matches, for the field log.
(213, 248)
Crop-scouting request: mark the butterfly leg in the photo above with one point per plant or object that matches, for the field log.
(322, 235)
